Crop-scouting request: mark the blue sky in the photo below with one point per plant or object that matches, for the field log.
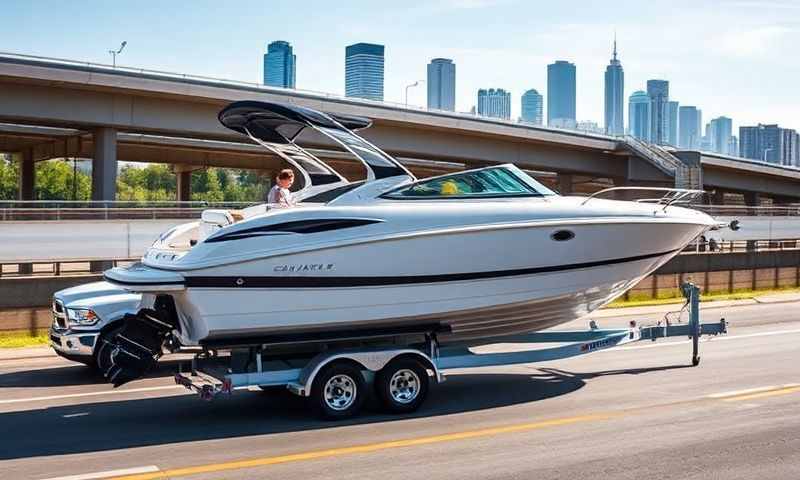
(729, 57)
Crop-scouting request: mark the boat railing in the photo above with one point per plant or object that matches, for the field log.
(670, 196)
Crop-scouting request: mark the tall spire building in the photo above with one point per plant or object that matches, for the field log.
(615, 91)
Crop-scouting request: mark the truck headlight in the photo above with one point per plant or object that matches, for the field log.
(82, 316)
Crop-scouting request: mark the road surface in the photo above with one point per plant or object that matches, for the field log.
(628, 413)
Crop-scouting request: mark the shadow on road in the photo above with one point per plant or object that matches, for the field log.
(72, 375)
(158, 421)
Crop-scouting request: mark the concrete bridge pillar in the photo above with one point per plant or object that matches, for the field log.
(752, 199)
(27, 174)
(183, 177)
(565, 184)
(718, 197)
(782, 201)
(104, 175)
(104, 164)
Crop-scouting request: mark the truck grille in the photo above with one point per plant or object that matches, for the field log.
(59, 315)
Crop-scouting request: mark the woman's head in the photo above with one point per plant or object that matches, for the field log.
(286, 178)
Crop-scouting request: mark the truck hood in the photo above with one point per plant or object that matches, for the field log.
(108, 301)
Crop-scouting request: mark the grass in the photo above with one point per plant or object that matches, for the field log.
(706, 297)
(23, 338)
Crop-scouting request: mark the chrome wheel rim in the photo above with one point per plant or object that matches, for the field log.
(340, 392)
(404, 386)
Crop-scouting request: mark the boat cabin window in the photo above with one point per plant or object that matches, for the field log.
(486, 183)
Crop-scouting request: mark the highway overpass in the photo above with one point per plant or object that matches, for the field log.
(55, 108)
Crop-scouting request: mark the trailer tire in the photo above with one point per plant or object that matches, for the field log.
(101, 361)
(338, 391)
(402, 385)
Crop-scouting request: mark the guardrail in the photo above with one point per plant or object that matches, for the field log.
(55, 210)
(733, 246)
(59, 268)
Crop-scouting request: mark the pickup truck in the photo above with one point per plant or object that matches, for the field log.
(84, 316)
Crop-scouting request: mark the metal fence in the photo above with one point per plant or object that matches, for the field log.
(56, 210)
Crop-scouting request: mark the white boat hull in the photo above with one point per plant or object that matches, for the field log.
(452, 281)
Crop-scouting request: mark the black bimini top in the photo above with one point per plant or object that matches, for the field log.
(277, 125)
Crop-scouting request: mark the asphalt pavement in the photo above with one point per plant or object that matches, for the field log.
(632, 412)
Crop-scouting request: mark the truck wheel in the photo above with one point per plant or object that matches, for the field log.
(338, 391)
(402, 385)
(102, 351)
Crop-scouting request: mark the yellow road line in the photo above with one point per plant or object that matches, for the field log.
(768, 393)
(335, 452)
(449, 437)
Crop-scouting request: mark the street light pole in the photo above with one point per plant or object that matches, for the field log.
(412, 85)
(765, 153)
(114, 54)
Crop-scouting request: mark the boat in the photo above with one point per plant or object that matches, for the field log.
(469, 257)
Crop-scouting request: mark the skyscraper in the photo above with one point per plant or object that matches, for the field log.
(658, 91)
(561, 96)
(790, 146)
(720, 135)
(532, 107)
(689, 126)
(363, 71)
(733, 146)
(279, 65)
(494, 103)
(442, 84)
(639, 115)
(672, 123)
(615, 92)
(765, 143)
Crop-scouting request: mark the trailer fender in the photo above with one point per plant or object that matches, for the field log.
(367, 360)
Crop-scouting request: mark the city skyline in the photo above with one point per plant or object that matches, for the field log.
(744, 41)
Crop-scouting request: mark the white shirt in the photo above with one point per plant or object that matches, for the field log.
(280, 197)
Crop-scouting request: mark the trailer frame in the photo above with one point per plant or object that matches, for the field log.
(210, 375)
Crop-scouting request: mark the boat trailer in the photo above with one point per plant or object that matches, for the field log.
(335, 379)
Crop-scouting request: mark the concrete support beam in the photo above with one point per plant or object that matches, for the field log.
(104, 164)
(565, 183)
(27, 174)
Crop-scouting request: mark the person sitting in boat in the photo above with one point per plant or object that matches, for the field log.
(279, 195)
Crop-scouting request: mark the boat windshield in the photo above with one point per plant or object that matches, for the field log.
(496, 182)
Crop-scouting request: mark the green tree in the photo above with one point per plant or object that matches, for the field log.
(206, 187)
(54, 181)
(9, 178)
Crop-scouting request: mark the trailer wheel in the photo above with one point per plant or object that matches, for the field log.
(102, 351)
(338, 391)
(402, 385)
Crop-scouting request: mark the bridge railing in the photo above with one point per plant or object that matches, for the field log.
(57, 210)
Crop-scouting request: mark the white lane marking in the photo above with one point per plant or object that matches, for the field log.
(706, 339)
(73, 415)
(108, 473)
(90, 394)
(736, 393)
